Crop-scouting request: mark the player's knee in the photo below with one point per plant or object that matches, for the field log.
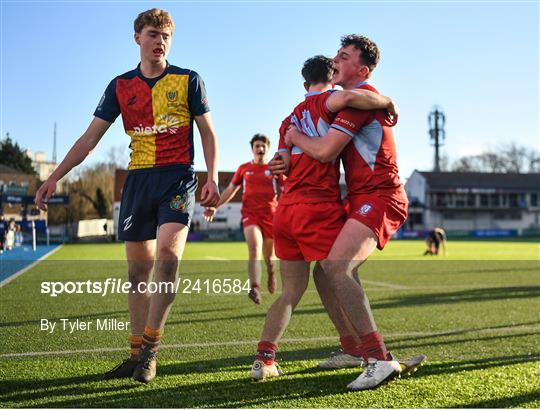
(167, 253)
(139, 271)
(332, 269)
(254, 252)
(292, 296)
(166, 269)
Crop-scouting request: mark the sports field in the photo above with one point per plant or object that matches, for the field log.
(475, 314)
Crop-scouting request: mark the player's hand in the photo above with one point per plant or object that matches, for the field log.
(209, 214)
(44, 193)
(290, 135)
(393, 113)
(276, 165)
(209, 194)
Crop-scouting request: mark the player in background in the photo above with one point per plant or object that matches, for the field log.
(310, 214)
(378, 207)
(435, 239)
(260, 191)
(158, 103)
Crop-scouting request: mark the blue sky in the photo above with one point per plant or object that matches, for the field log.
(477, 60)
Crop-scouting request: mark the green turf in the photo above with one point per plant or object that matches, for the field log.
(475, 314)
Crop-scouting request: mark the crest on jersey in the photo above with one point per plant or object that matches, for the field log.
(267, 172)
(178, 202)
(172, 96)
(365, 209)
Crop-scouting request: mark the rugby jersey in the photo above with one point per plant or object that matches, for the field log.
(310, 181)
(259, 187)
(157, 114)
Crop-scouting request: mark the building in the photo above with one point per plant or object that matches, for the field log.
(14, 186)
(473, 201)
(43, 167)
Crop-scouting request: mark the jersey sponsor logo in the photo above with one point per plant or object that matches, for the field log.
(127, 223)
(345, 122)
(249, 172)
(132, 100)
(169, 124)
(365, 209)
(178, 202)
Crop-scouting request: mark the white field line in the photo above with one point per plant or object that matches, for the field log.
(216, 258)
(508, 329)
(384, 284)
(23, 270)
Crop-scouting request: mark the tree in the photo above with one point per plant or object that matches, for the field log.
(101, 205)
(508, 158)
(13, 156)
(90, 189)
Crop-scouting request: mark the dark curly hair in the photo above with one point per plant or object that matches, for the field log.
(259, 137)
(317, 70)
(369, 52)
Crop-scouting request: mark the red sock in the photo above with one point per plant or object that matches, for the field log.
(266, 352)
(373, 346)
(349, 346)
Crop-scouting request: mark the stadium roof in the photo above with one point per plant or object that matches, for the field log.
(4, 169)
(457, 180)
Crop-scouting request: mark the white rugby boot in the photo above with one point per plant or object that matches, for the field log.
(377, 372)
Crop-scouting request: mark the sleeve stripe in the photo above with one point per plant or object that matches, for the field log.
(342, 129)
(283, 150)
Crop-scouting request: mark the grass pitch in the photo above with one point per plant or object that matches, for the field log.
(475, 314)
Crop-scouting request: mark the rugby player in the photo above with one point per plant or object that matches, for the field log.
(158, 103)
(377, 208)
(310, 214)
(435, 239)
(259, 200)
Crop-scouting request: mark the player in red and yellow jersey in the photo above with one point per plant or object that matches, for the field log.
(377, 207)
(259, 201)
(310, 214)
(158, 103)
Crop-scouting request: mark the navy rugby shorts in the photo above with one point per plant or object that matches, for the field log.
(153, 197)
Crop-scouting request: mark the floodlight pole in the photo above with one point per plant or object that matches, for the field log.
(436, 120)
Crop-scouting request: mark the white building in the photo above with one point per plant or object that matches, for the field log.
(43, 167)
(473, 201)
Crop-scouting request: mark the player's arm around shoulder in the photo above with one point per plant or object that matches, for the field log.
(324, 149)
(362, 100)
(210, 191)
(78, 152)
